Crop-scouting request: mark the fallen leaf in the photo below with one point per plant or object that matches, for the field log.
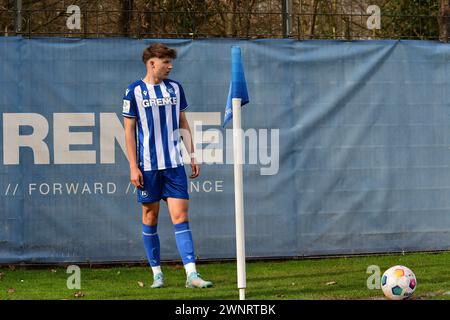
(10, 290)
(331, 283)
(53, 270)
(118, 272)
(78, 294)
(1, 275)
(140, 284)
(12, 267)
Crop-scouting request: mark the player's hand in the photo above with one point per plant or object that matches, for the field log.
(195, 169)
(136, 177)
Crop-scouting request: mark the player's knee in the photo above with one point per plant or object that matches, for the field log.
(149, 220)
(179, 217)
(149, 216)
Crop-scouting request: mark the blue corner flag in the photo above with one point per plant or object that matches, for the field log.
(238, 86)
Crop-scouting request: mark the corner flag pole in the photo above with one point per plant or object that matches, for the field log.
(237, 97)
(239, 197)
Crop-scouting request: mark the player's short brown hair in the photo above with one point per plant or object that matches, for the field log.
(158, 50)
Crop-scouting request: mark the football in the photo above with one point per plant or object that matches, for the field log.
(398, 283)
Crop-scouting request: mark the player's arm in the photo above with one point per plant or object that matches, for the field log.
(189, 144)
(130, 142)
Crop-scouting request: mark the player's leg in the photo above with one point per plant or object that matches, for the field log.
(178, 209)
(176, 193)
(149, 197)
(150, 237)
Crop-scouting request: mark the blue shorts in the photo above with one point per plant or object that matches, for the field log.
(163, 184)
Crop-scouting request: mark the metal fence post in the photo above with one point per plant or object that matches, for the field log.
(287, 18)
(18, 22)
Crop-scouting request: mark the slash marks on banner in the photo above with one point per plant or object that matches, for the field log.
(11, 189)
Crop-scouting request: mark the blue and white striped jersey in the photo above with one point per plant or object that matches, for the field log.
(157, 112)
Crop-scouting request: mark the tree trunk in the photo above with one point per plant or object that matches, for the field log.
(444, 20)
(126, 16)
(313, 22)
(231, 28)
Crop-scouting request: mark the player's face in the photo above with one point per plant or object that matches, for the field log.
(161, 67)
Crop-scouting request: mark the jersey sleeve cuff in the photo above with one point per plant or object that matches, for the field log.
(184, 108)
(128, 115)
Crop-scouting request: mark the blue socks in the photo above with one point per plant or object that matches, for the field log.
(151, 244)
(185, 245)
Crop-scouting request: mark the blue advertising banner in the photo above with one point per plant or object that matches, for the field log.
(347, 148)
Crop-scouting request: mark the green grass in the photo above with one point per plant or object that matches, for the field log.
(327, 278)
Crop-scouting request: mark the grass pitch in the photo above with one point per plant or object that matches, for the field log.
(325, 278)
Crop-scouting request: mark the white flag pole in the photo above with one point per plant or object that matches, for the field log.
(239, 197)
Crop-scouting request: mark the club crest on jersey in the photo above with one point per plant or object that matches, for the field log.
(144, 92)
(159, 102)
(170, 90)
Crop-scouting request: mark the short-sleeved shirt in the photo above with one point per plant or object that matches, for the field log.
(157, 111)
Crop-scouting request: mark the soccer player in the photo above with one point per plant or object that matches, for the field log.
(155, 123)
